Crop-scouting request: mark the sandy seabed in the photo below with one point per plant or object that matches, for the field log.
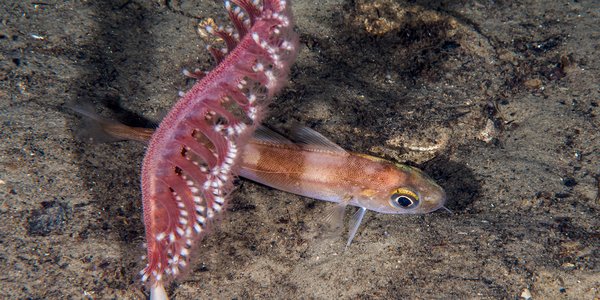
(497, 100)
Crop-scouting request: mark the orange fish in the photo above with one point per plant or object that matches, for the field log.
(310, 165)
(315, 167)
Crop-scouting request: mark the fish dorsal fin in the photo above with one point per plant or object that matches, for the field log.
(312, 140)
(268, 136)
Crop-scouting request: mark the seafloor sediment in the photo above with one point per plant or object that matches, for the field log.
(497, 100)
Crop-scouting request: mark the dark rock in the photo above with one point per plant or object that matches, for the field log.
(49, 219)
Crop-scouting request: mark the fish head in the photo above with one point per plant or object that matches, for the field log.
(406, 190)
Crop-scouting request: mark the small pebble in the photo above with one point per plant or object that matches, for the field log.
(533, 83)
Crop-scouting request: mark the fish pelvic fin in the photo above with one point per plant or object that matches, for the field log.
(354, 224)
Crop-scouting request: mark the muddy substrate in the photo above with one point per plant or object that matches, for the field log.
(497, 100)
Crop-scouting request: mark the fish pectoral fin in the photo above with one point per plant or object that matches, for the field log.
(334, 219)
(354, 224)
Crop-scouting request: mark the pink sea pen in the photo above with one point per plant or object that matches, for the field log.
(191, 158)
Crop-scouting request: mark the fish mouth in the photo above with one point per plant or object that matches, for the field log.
(434, 200)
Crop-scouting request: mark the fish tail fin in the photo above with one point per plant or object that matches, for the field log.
(98, 129)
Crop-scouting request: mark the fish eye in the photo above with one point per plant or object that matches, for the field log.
(404, 198)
